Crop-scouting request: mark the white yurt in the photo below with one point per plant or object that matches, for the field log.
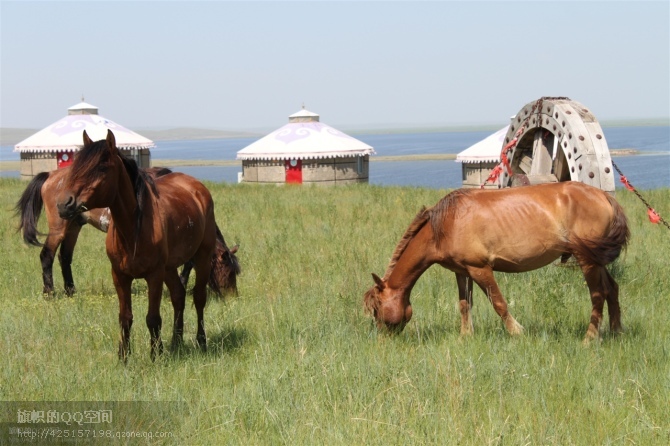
(480, 158)
(54, 146)
(306, 151)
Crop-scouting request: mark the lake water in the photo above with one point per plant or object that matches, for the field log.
(648, 170)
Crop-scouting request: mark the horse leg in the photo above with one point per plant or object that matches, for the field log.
(202, 270)
(47, 260)
(154, 320)
(465, 303)
(185, 272)
(65, 256)
(487, 282)
(122, 284)
(613, 309)
(47, 255)
(178, 297)
(597, 281)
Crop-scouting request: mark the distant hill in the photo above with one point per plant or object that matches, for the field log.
(193, 133)
(9, 137)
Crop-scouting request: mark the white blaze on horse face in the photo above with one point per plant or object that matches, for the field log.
(104, 220)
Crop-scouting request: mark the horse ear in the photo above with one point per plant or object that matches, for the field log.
(379, 282)
(234, 249)
(111, 141)
(87, 140)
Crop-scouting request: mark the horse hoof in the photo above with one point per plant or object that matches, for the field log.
(123, 354)
(592, 335)
(617, 330)
(177, 343)
(156, 348)
(202, 342)
(513, 327)
(467, 331)
(588, 341)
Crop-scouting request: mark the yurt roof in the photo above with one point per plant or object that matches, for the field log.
(82, 108)
(304, 140)
(304, 113)
(486, 150)
(67, 134)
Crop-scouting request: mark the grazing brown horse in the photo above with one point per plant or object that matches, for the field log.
(227, 266)
(41, 192)
(475, 232)
(156, 226)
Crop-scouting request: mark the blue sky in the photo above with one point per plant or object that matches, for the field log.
(248, 65)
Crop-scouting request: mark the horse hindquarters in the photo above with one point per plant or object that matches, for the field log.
(593, 255)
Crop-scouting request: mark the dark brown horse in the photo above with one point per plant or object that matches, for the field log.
(41, 192)
(156, 226)
(475, 232)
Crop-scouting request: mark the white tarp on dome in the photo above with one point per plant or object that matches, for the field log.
(485, 151)
(304, 140)
(66, 135)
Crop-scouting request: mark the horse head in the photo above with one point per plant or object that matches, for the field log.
(93, 177)
(228, 267)
(390, 307)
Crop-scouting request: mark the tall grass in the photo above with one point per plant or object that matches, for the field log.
(293, 359)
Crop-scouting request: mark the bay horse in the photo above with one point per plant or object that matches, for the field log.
(157, 225)
(474, 232)
(41, 193)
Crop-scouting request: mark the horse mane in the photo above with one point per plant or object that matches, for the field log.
(419, 221)
(435, 215)
(142, 183)
(89, 162)
(444, 208)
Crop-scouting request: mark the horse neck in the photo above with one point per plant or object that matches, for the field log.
(417, 257)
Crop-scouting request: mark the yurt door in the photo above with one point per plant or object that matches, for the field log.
(293, 171)
(64, 159)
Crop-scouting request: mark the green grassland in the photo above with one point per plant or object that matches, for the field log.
(293, 359)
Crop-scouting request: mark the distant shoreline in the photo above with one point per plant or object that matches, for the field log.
(6, 166)
(11, 136)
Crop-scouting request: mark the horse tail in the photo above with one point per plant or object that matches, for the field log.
(29, 208)
(605, 250)
(225, 267)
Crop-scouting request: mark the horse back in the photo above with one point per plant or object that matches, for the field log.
(520, 229)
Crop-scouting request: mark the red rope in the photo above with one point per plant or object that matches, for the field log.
(504, 162)
(654, 216)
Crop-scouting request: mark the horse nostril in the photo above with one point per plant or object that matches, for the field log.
(66, 208)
